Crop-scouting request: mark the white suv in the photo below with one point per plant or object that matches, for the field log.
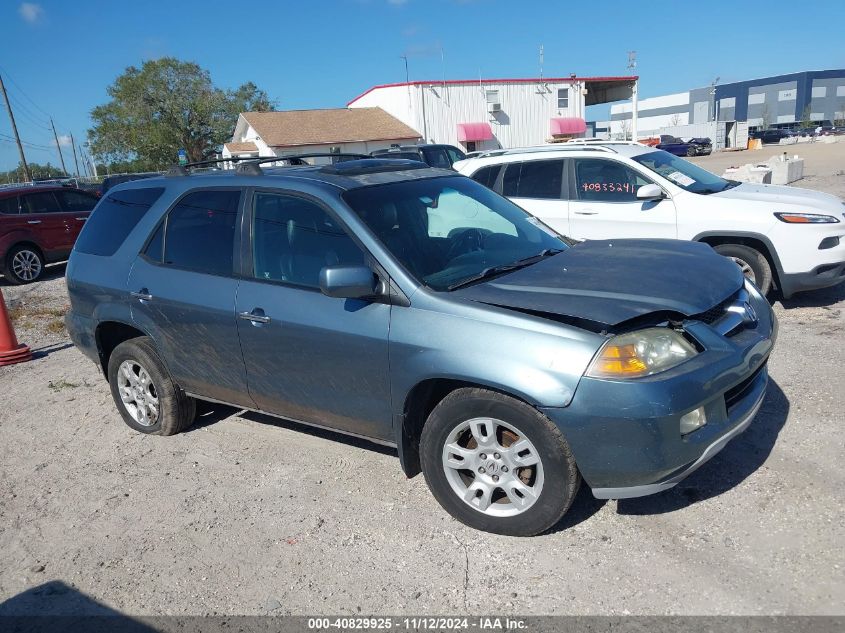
(791, 238)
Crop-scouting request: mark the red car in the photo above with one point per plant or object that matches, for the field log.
(38, 226)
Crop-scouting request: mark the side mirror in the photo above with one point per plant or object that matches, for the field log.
(650, 192)
(347, 281)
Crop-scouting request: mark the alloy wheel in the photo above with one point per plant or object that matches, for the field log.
(493, 467)
(26, 265)
(138, 393)
(746, 269)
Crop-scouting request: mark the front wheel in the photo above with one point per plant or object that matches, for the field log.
(497, 464)
(145, 394)
(690, 151)
(751, 262)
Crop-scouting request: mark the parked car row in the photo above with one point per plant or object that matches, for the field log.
(314, 293)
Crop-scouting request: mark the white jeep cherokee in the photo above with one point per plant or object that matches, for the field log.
(788, 237)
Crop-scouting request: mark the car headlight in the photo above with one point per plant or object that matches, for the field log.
(806, 218)
(640, 353)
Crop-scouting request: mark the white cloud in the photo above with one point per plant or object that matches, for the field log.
(64, 140)
(30, 12)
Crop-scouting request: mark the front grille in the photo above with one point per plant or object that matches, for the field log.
(715, 313)
(736, 394)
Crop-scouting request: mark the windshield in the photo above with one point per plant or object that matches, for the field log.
(683, 173)
(449, 231)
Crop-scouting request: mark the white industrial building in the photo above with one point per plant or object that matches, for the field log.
(481, 114)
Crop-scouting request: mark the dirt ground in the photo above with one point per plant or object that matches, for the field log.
(245, 514)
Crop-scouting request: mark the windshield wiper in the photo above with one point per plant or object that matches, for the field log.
(493, 271)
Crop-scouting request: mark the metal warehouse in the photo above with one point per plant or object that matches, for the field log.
(777, 101)
(481, 114)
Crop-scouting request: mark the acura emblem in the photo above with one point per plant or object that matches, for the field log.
(750, 316)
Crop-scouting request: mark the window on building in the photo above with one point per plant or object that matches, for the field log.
(493, 96)
(471, 146)
(606, 181)
(294, 239)
(563, 98)
(533, 179)
(200, 232)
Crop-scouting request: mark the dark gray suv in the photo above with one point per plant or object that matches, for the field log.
(416, 308)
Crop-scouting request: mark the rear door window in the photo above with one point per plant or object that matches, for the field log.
(114, 218)
(9, 206)
(76, 201)
(200, 232)
(487, 175)
(541, 179)
(40, 202)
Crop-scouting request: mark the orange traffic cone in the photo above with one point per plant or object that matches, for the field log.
(10, 351)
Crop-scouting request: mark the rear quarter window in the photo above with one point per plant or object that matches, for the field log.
(114, 218)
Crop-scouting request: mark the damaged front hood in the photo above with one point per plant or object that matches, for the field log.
(609, 282)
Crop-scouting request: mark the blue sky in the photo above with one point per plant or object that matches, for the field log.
(58, 57)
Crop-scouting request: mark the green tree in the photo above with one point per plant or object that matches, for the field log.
(166, 105)
(807, 117)
(39, 172)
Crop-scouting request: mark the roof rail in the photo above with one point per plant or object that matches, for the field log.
(546, 148)
(598, 141)
(249, 164)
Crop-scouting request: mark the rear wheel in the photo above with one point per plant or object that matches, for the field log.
(24, 264)
(144, 392)
(497, 464)
(751, 262)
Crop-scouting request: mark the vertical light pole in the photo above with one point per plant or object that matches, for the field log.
(713, 97)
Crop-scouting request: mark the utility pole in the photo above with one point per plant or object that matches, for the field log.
(73, 146)
(58, 147)
(15, 130)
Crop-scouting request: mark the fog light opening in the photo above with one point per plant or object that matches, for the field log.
(693, 421)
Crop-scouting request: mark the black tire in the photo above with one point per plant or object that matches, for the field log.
(560, 474)
(691, 151)
(33, 255)
(756, 264)
(176, 410)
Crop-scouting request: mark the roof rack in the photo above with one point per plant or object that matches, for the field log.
(250, 164)
(562, 147)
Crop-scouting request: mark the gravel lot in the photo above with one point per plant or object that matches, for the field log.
(245, 514)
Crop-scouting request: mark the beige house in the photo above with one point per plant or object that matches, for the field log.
(337, 130)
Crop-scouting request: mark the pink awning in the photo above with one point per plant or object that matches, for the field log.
(474, 132)
(567, 126)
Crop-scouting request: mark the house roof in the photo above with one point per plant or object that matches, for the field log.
(236, 148)
(319, 127)
(523, 80)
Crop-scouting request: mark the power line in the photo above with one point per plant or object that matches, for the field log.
(15, 83)
(27, 113)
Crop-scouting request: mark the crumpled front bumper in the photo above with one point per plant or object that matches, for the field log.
(625, 434)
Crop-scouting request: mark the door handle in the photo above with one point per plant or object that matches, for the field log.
(586, 212)
(33, 221)
(143, 294)
(252, 316)
(82, 219)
